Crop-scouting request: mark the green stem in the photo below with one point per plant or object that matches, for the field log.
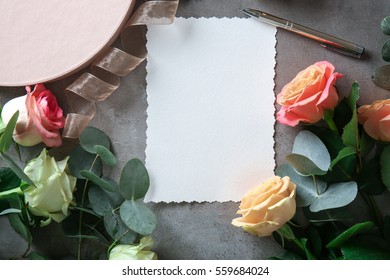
(17, 190)
(315, 184)
(81, 212)
(331, 124)
(116, 241)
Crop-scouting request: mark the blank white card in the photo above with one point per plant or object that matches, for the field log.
(210, 116)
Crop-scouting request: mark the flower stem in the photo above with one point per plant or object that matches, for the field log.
(81, 212)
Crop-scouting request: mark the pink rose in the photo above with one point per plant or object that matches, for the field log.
(375, 119)
(40, 117)
(306, 97)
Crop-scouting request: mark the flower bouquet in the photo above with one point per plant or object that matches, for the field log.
(340, 160)
(72, 190)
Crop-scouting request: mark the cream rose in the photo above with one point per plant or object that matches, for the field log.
(134, 252)
(40, 117)
(53, 190)
(267, 207)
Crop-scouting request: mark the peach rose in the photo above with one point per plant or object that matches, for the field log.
(40, 117)
(375, 119)
(267, 207)
(308, 94)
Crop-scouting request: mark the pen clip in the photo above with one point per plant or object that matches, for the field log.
(355, 53)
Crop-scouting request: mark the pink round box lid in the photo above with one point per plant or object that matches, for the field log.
(44, 40)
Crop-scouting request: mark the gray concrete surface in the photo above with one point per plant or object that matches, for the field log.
(203, 230)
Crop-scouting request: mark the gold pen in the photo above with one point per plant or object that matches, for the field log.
(327, 41)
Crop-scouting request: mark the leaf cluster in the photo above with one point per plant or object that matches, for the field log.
(109, 211)
(381, 76)
(331, 166)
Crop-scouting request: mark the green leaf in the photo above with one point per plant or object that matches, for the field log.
(102, 201)
(306, 191)
(365, 247)
(134, 180)
(385, 166)
(347, 151)
(366, 144)
(19, 227)
(117, 229)
(10, 211)
(310, 146)
(91, 137)
(106, 155)
(309, 255)
(8, 179)
(286, 232)
(344, 170)
(80, 159)
(385, 25)
(105, 184)
(386, 51)
(304, 165)
(381, 77)
(349, 233)
(337, 195)
(351, 133)
(15, 168)
(369, 179)
(6, 137)
(138, 217)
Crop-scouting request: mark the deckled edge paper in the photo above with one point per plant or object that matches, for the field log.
(210, 109)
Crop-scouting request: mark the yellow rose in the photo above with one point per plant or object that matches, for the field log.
(267, 207)
(53, 190)
(134, 252)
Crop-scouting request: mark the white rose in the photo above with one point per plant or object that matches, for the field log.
(134, 252)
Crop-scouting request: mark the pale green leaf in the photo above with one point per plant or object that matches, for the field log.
(107, 185)
(15, 168)
(6, 137)
(381, 77)
(386, 51)
(134, 180)
(106, 155)
(117, 229)
(91, 137)
(304, 165)
(138, 217)
(385, 25)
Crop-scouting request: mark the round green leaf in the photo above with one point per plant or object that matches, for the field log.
(306, 190)
(309, 145)
(138, 217)
(386, 51)
(103, 202)
(385, 25)
(107, 184)
(381, 77)
(106, 155)
(134, 180)
(304, 165)
(117, 229)
(80, 160)
(91, 137)
(6, 137)
(337, 195)
(385, 166)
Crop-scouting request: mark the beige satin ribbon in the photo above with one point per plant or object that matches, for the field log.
(106, 71)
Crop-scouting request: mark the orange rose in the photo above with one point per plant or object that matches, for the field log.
(267, 207)
(375, 119)
(306, 97)
(40, 117)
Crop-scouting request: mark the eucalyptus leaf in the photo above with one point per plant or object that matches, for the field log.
(134, 180)
(117, 229)
(8, 179)
(329, 215)
(347, 151)
(304, 165)
(19, 227)
(349, 233)
(386, 51)
(6, 137)
(385, 25)
(306, 190)
(381, 77)
(107, 185)
(337, 195)
(91, 137)
(106, 155)
(309, 145)
(385, 166)
(103, 202)
(15, 168)
(80, 159)
(138, 217)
